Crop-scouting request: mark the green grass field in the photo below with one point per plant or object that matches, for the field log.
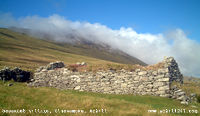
(20, 96)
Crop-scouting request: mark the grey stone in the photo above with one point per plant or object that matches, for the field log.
(137, 78)
(83, 63)
(10, 84)
(165, 95)
(159, 76)
(163, 80)
(77, 88)
(158, 84)
(142, 73)
(154, 73)
(160, 92)
(184, 102)
(181, 98)
(180, 93)
(137, 70)
(162, 88)
(123, 85)
(144, 79)
(193, 95)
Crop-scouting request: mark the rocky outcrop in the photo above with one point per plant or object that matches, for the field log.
(51, 66)
(16, 74)
(143, 81)
(179, 94)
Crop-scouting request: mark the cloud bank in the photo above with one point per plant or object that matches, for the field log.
(150, 48)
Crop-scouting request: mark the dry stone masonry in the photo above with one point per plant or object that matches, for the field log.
(51, 66)
(16, 74)
(155, 82)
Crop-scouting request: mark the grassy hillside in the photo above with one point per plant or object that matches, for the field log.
(23, 97)
(27, 52)
(191, 85)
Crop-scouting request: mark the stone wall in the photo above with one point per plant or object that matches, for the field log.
(154, 81)
(174, 72)
(15, 74)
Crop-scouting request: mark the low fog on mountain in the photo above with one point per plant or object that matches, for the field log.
(150, 48)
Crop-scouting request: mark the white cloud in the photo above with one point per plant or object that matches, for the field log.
(151, 48)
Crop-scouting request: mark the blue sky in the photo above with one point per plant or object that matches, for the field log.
(144, 16)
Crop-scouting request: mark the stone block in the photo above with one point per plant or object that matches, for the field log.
(163, 88)
(142, 73)
(163, 80)
(161, 92)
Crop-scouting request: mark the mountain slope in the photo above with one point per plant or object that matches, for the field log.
(76, 44)
(21, 50)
